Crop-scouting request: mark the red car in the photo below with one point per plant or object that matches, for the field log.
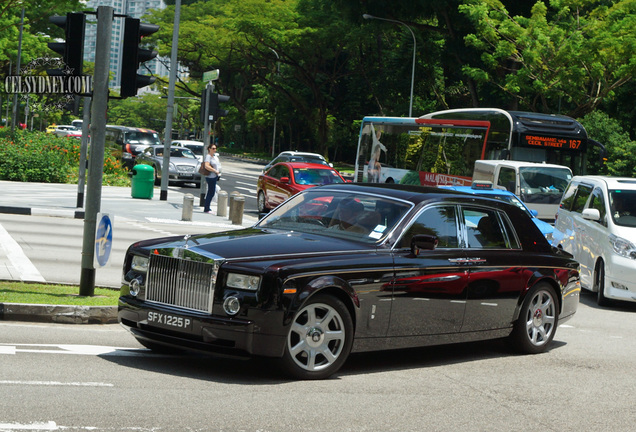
(286, 179)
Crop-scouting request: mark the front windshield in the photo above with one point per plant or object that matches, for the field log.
(544, 185)
(315, 176)
(360, 217)
(623, 207)
(182, 152)
(143, 137)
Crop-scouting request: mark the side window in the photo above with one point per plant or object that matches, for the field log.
(597, 202)
(438, 221)
(284, 172)
(484, 229)
(580, 198)
(507, 179)
(568, 197)
(274, 172)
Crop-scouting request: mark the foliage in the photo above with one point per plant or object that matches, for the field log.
(33, 293)
(573, 53)
(621, 150)
(314, 68)
(47, 158)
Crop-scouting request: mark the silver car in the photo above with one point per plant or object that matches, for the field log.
(183, 166)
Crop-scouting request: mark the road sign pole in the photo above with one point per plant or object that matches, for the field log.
(206, 140)
(167, 134)
(99, 107)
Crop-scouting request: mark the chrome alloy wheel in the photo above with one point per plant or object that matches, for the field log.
(317, 337)
(540, 317)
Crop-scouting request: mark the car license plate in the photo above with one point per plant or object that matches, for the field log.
(164, 320)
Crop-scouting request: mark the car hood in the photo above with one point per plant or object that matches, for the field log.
(252, 243)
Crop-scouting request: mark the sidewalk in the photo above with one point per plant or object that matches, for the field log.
(60, 200)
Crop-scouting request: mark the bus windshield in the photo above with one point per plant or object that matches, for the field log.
(441, 148)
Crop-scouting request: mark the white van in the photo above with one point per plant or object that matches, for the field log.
(539, 186)
(596, 223)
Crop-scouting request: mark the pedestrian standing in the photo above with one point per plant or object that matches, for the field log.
(212, 164)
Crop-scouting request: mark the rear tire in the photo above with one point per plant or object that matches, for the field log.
(319, 339)
(538, 320)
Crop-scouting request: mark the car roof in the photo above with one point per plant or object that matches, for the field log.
(520, 164)
(471, 190)
(609, 181)
(416, 194)
(306, 165)
(188, 142)
(296, 153)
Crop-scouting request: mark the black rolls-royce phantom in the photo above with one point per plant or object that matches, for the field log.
(352, 267)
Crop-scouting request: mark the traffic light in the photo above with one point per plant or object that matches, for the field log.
(72, 50)
(133, 55)
(214, 110)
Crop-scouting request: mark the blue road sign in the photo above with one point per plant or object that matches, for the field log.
(103, 239)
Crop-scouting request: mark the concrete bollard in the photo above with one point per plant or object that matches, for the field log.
(221, 204)
(239, 207)
(188, 206)
(232, 196)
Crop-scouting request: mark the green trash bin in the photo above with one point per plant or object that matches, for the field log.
(143, 181)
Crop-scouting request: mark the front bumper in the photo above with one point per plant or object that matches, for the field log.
(619, 278)
(207, 333)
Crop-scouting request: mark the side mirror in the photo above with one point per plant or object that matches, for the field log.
(591, 214)
(284, 179)
(423, 241)
(534, 213)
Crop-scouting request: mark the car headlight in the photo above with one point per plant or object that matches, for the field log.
(622, 246)
(242, 281)
(139, 264)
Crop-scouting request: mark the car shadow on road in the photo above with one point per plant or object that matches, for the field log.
(588, 298)
(263, 371)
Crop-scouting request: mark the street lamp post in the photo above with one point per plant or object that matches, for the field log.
(367, 16)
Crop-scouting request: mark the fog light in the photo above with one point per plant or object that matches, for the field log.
(231, 305)
(134, 286)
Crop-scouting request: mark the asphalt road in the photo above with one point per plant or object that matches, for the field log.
(97, 377)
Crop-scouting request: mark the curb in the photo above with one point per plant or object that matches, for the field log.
(61, 314)
(28, 211)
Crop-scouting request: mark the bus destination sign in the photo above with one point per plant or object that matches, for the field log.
(551, 142)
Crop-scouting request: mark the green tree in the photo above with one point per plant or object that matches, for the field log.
(568, 57)
(621, 150)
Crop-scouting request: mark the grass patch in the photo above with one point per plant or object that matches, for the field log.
(34, 293)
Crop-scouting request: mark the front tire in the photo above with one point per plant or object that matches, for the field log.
(599, 284)
(260, 200)
(319, 339)
(538, 320)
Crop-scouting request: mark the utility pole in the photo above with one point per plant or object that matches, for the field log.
(17, 72)
(99, 108)
(167, 139)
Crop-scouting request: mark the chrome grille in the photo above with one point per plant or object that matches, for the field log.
(181, 282)
(186, 168)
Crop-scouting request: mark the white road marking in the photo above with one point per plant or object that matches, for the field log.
(94, 350)
(252, 191)
(56, 383)
(20, 262)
